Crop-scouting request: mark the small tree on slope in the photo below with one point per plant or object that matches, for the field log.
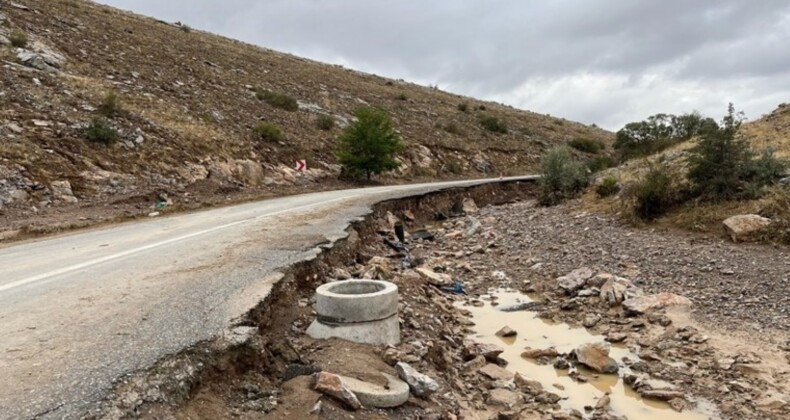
(369, 145)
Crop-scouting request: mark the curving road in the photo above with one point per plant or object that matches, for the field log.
(78, 311)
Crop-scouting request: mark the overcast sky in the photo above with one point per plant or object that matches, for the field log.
(606, 62)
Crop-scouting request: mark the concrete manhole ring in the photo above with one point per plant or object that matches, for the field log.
(358, 300)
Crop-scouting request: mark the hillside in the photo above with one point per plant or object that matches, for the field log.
(771, 131)
(187, 112)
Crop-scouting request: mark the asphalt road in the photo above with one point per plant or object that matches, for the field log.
(79, 310)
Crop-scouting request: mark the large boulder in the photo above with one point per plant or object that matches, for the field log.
(649, 303)
(249, 172)
(61, 191)
(744, 227)
(596, 357)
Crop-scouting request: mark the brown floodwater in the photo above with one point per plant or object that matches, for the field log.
(538, 334)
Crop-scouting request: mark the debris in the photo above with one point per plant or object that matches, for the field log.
(421, 385)
(574, 280)
(394, 394)
(333, 386)
(422, 235)
(434, 278)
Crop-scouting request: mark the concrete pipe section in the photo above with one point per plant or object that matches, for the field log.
(362, 311)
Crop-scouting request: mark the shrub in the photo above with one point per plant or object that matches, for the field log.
(109, 106)
(268, 131)
(493, 124)
(100, 131)
(654, 195)
(481, 107)
(601, 163)
(277, 100)
(18, 39)
(454, 167)
(451, 128)
(608, 187)
(586, 145)
(402, 97)
(659, 132)
(767, 169)
(369, 145)
(463, 107)
(186, 28)
(562, 176)
(325, 122)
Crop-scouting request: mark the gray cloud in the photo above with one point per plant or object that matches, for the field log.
(607, 62)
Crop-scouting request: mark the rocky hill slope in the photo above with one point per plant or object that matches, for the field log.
(187, 106)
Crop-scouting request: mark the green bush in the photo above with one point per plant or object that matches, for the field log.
(601, 163)
(277, 100)
(451, 128)
(110, 106)
(100, 131)
(325, 122)
(402, 97)
(369, 145)
(654, 195)
(767, 169)
(562, 177)
(608, 187)
(18, 39)
(268, 131)
(186, 28)
(454, 167)
(463, 107)
(493, 124)
(586, 145)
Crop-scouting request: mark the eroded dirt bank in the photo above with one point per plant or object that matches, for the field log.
(575, 278)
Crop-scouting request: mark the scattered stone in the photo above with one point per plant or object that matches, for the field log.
(660, 394)
(678, 404)
(530, 353)
(506, 332)
(528, 386)
(591, 321)
(422, 235)
(615, 337)
(596, 357)
(61, 191)
(473, 227)
(421, 385)
(295, 370)
(496, 372)
(574, 280)
(475, 364)
(434, 278)
(603, 403)
(525, 306)
(618, 289)
(744, 227)
(500, 397)
(469, 206)
(473, 349)
(333, 386)
(649, 303)
(391, 356)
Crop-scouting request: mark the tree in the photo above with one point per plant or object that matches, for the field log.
(369, 145)
(561, 176)
(721, 160)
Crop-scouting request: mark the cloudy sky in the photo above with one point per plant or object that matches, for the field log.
(606, 61)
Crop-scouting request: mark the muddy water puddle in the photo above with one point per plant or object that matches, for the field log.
(539, 334)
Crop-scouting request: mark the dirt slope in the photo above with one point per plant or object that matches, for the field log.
(188, 109)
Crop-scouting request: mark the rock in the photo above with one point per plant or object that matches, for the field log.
(473, 349)
(530, 353)
(422, 235)
(524, 306)
(603, 403)
(61, 191)
(574, 280)
(249, 172)
(193, 172)
(394, 394)
(434, 278)
(678, 404)
(528, 386)
(473, 227)
(500, 397)
(506, 332)
(391, 356)
(617, 289)
(333, 386)
(591, 321)
(615, 337)
(660, 394)
(379, 267)
(469, 206)
(596, 357)
(475, 364)
(49, 61)
(496, 372)
(744, 227)
(340, 274)
(421, 385)
(644, 304)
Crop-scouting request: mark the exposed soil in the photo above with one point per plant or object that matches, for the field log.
(727, 356)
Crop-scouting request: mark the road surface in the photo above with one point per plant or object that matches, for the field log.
(80, 310)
